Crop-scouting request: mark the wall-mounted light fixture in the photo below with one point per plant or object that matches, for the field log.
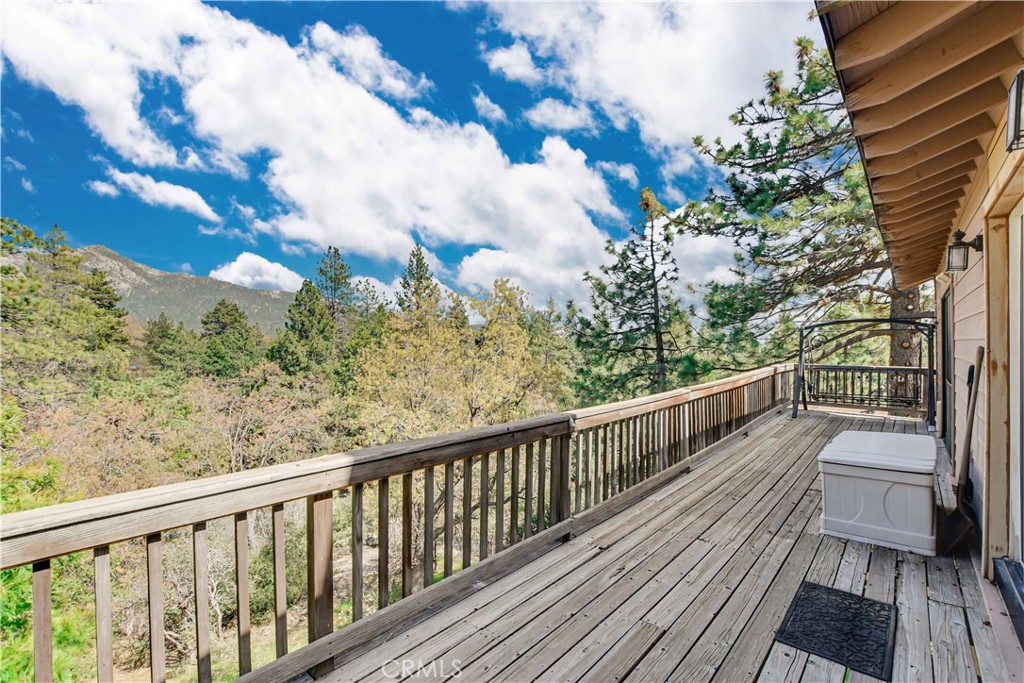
(1014, 119)
(957, 251)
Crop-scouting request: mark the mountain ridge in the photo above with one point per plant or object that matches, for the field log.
(147, 292)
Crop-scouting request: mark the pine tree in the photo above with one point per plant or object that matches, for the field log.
(799, 214)
(307, 344)
(108, 327)
(61, 326)
(171, 347)
(232, 344)
(419, 290)
(630, 341)
(334, 281)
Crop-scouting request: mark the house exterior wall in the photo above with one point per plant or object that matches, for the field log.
(980, 299)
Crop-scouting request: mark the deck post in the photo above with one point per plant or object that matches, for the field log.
(319, 568)
(560, 499)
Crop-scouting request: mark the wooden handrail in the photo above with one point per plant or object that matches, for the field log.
(562, 464)
(40, 533)
(603, 414)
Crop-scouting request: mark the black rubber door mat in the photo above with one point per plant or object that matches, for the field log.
(846, 628)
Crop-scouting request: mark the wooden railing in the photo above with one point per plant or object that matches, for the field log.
(874, 386)
(482, 491)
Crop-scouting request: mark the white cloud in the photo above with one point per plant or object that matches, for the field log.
(255, 272)
(27, 185)
(487, 109)
(186, 267)
(360, 55)
(554, 114)
(12, 164)
(624, 172)
(343, 166)
(703, 258)
(103, 188)
(514, 63)
(234, 233)
(93, 59)
(673, 69)
(388, 290)
(163, 193)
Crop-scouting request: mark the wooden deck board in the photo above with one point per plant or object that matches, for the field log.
(691, 582)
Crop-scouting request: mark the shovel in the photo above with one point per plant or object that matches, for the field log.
(959, 523)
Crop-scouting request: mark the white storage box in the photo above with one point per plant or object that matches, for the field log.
(880, 488)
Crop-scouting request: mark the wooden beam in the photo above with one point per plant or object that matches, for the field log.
(936, 231)
(984, 67)
(921, 235)
(900, 24)
(945, 161)
(954, 187)
(972, 36)
(936, 120)
(917, 227)
(971, 129)
(951, 204)
(917, 214)
(964, 169)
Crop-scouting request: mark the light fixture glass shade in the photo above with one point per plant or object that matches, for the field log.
(1014, 106)
(956, 257)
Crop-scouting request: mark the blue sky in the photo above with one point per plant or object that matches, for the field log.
(238, 140)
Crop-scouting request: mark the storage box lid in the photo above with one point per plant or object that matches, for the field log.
(879, 450)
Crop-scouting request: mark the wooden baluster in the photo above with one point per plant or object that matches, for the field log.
(485, 503)
(542, 467)
(428, 526)
(630, 443)
(499, 503)
(514, 512)
(664, 436)
(155, 591)
(606, 473)
(320, 568)
(621, 456)
(588, 470)
(684, 431)
(555, 484)
(564, 509)
(278, 539)
(383, 543)
(201, 576)
(357, 552)
(42, 616)
(242, 592)
(467, 512)
(577, 459)
(408, 570)
(528, 498)
(104, 619)
(449, 518)
(601, 464)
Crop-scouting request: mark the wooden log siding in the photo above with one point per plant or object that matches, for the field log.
(544, 471)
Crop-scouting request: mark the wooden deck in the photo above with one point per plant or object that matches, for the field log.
(689, 583)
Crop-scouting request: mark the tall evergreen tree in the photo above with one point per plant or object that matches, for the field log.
(61, 327)
(232, 343)
(109, 325)
(631, 338)
(171, 347)
(308, 340)
(798, 211)
(334, 281)
(419, 290)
